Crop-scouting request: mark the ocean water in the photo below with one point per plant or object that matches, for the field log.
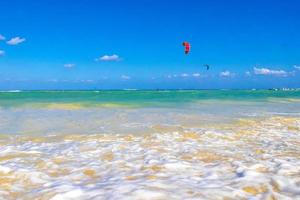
(183, 144)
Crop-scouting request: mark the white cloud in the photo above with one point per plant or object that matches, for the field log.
(2, 37)
(125, 77)
(248, 73)
(196, 75)
(226, 74)
(16, 41)
(297, 67)
(113, 57)
(69, 65)
(185, 75)
(2, 53)
(88, 81)
(266, 71)
(53, 80)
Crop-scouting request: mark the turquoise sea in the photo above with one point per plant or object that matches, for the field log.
(150, 144)
(142, 98)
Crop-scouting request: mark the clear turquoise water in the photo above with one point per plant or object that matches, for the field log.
(114, 112)
(142, 98)
(204, 144)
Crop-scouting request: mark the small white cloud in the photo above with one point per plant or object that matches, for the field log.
(16, 41)
(108, 58)
(297, 67)
(248, 73)
(196, 75)
(53, 80)
(185, 75)
(2, 53)
(125, 77)
(2, 37)
(69, 65)
(266, 71)
(226, 74)
(88, 81)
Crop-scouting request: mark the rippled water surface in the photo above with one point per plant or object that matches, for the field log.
(150, 145)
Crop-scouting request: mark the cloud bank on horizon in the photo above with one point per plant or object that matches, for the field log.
(266, 71)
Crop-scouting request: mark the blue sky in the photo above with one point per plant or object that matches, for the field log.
(92, 44)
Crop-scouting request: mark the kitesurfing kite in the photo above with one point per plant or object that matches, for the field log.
(187, 47)
(207, 66)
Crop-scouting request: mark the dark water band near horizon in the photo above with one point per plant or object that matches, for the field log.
(146, 144)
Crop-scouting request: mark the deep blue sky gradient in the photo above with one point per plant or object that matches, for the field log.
(229, 35)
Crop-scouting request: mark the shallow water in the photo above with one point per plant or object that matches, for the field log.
(150, 145)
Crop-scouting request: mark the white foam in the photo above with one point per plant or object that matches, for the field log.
(4, 169)
(242, 161)
(71, 195)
